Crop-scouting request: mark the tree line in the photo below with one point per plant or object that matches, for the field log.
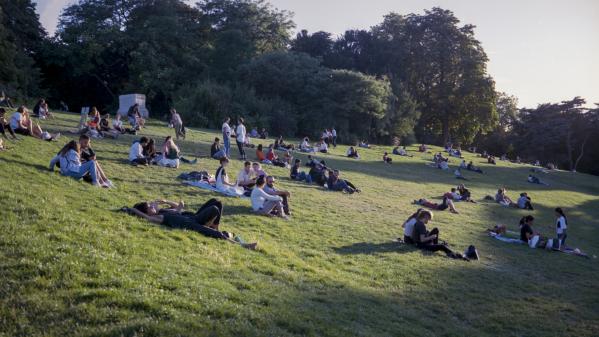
(414, 77)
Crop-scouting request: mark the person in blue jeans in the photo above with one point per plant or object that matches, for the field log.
(296, 174)
(226, 129)
(71, 166)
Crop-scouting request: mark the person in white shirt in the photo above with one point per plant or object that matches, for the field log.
(70, 163)
(222, 180)
(408, 226)
(272, 190)
(226, 129)
(241, 135)
(136, 156)
(305, 145)
(22, 124)
(264, 203)
(334, 135)
(323, 148)
(246, 178)
(561, 227)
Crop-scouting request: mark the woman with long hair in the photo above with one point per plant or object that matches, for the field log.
(71, 166)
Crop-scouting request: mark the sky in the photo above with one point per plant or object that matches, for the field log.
(540, 50)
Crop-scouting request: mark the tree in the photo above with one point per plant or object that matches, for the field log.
(318, 45)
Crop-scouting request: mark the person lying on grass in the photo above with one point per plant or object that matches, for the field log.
(205, 221)
(429, 240)
(534, 180)
(447, 203)
(264, 203)
(401, 151)
(524, 202)
(471, 167)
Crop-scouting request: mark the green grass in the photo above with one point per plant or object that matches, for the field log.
(71, 265)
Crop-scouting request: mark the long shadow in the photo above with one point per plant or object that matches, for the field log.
(369, 248)
(38, 167)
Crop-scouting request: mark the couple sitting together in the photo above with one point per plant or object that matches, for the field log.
(415, 232)
(524, 201)
(143, 152)
(460, 193)
(206, 220)
(78, 160)
(271, 157)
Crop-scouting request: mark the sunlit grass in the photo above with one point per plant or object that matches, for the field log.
(71, 265)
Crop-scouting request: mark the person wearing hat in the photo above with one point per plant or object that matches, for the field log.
(285, 195)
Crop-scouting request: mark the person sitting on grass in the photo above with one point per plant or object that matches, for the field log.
(5, 126)
(311, 161)
(463, 164)
(272, 156)
(282, 146)
(205, 221)
(136, 152)
(447, 203)
(171, 155)
(71, 166)
(471, 167)
(335, 183)
(364, 144)
(245, 177)
(261, 156)
(21, 123)
(458, 174)
(524, 202)
(387, 159)
(305, 145)
(465, 194)
(93, 124)
(272, 190)
(264, 203)
(353, 153)
(443, 164)
(401, 151)
(429, 241)
(258, 171)
(88, 154)
(134, 116)
(323, 147)
(222, 180)
(534, 180)
(408, 226)
(422, 148)
(318, 173)
(298, 175)
(288, 159)
(117, 124)
(105, 128)
(502, 198)
(216, 152)
(491, 160)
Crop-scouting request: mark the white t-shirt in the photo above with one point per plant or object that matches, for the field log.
(409, 227)
(561, 225)
(334, 133)
(258, 197)
(15, 120)
(136, 151)
(324, 147)
(305, 145)
(240, 132)
(244, 176)
(226, 130)
(117, 123)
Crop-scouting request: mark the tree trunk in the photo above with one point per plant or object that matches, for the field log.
(584, 142)
(569, 149)
(446, 134)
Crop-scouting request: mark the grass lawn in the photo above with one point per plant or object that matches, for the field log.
(70, 265)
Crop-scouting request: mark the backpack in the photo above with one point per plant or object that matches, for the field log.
(472, 253)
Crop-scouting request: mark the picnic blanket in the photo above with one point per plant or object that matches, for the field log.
(566, 250)
(207, 185)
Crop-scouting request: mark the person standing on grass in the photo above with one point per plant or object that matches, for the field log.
(429, 241)
(561, 227)
(240, 132)
(334, 135)
(226, 129)
(177, 124)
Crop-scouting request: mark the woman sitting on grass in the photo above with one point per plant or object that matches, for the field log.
(272, 156)
(261, 156)
(205, 221)
(171, 154)
(21, 123)
(222, 180)
(447, 203)
(524, 202)
(408, 226)
(502, 198)
(353, 153)
(305, 146)
(387, 159)
(264, 203)
(296, 174)
(71, 166)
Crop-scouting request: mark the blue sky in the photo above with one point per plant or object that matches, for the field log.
(540, 50)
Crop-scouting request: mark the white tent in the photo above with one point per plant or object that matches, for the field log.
(126, 101)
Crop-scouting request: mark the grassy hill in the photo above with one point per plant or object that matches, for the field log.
(70, 265)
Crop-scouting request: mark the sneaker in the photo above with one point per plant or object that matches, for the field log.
(193, 162)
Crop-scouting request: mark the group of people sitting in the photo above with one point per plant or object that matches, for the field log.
(440, 162)
(271, 157)
(523, 202)
(143, 152)
(21, 123)
(401, 151)
(322, 175)
(40, 110)
(470, 167)
(416, 233)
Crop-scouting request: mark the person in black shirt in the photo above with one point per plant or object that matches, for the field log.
(429, 241)
(205, 221)
(4, 125)
(526, 232)
(215, 150)
(87, 154)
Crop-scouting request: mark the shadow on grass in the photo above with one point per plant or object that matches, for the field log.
(369, 248)
(38, 167)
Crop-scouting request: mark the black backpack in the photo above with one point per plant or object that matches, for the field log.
(472, 253)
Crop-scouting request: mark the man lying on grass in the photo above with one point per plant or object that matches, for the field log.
(447, 203)
(205, 221)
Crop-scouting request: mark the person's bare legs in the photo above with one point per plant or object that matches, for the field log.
(452, 207)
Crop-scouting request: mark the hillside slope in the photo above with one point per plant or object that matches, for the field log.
(71, 265)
